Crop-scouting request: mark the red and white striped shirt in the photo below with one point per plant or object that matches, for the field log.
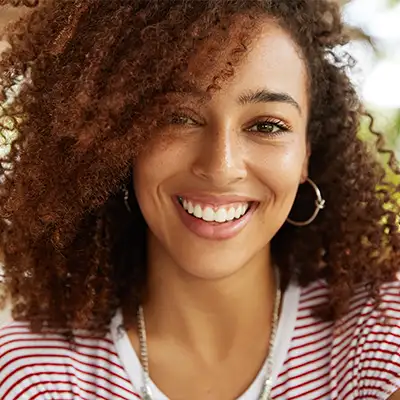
(358, 357)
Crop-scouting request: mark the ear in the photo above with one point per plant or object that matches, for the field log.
(304, 170)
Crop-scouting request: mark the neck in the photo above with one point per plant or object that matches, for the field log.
(209, 316)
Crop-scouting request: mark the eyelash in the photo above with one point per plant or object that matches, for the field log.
(282, 127)
(176, 118)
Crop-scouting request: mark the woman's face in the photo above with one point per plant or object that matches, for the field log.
(220, 180)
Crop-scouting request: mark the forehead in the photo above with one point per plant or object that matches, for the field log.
(272, 61)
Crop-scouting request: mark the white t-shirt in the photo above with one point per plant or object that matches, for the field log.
(358, 357)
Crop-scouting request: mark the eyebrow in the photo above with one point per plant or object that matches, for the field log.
(267, 96)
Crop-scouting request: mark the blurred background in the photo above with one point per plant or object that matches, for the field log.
(374, 26)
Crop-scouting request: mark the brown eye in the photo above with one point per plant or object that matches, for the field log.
(269, 127)
(265, 127)
(182, 119)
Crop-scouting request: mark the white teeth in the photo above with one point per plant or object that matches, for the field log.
(238, 212)
(231, 214)
(198, 213)
(208, 214)
(220, 215)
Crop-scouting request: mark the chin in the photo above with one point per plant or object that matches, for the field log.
(211, 264)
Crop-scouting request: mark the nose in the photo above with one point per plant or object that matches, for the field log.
(221, 158)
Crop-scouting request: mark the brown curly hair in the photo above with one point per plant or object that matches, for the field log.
(83, 85)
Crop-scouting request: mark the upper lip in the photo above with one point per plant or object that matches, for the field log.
(216, 200)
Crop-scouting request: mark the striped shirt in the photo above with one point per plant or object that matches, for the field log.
(357, 357)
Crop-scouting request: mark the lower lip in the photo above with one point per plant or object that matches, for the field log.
(215, 230)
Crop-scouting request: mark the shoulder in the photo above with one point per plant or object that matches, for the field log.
(44, 364)
(360, 352)
(366, 345)
(22, 354)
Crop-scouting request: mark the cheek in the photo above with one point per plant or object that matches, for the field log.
(155, 168)
(280, 168)
(147, 175)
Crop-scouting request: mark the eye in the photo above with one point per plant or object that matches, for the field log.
(269, 127)
(182, 119)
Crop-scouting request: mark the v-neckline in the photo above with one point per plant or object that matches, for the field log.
(286, 326)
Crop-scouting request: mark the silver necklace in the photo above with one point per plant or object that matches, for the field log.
(265, 393)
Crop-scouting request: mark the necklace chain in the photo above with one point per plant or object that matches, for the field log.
(265, 393)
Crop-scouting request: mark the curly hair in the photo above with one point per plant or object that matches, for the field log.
(83, 86)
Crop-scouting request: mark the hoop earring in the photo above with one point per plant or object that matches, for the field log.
(319, 205)
(126, 199)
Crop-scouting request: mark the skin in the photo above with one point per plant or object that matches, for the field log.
(209, 306)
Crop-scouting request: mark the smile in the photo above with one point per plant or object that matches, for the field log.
(221, 214)
(215, 218)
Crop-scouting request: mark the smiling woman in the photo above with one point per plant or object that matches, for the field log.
(187, 211)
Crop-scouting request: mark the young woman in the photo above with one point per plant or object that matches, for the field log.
(187, 211)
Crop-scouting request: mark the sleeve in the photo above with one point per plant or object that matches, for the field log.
(26, 371)
(369, 368)
(379, 357)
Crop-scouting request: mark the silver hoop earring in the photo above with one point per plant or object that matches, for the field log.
(126, 200)
(319, 205)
